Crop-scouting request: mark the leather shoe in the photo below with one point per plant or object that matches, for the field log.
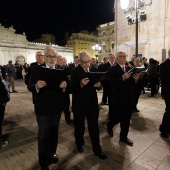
(136, 110)
(14, 91)
(45, 168)
(127, 141)
(163, 132)
(69, 121)
(165, 135)
(110, 131)
(55, 159)
(80, 149)
(101, 155)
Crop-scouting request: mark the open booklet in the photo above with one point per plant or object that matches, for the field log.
(52, 77)
(141, 70)
(95, 77)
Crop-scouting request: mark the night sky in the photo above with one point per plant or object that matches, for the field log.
(36, 17)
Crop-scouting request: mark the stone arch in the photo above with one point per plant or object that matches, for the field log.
(20, 59)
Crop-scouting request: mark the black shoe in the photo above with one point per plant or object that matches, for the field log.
(14, 91)
(127, 141)
(101, 155)
(110, 131)
(80, 149)
(55, 159)
(69, 121)
(103, 103)
(165, 135)
(150, 95)
(163, 132)
(136, 110)
(45, 168)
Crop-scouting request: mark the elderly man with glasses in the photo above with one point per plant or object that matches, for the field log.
(48, 105)
(122, 84)
(85, 105)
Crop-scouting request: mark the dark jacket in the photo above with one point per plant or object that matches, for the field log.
(165, 79)
(46, 101)
(122, 91)
(84, 98)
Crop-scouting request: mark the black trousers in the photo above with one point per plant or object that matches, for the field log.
(67, 105)
(165, 126)
(93, 128)
(123, 117)
(2, 113)
(47, 137)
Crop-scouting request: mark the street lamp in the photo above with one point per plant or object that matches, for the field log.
(96, 48)
(124, 5)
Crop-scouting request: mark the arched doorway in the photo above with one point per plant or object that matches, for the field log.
(20, 60)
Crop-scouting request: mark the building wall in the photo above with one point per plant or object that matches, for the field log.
(154, 33)
(106, 39)
(13, 45)
(82, 42)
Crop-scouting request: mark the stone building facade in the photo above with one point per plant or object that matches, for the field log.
(153, 34)
(15, 47)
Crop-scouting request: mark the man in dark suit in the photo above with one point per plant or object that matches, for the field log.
(48, 105)
(85, 104)
(67, 112)
(104, 68)
(165, 92)
(39, 55)
(122, 100)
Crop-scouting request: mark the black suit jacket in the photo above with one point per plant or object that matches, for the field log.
(46, 101)
(165, 79)
(122, 91)
(84, 98)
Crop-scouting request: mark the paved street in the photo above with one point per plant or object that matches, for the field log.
(150, 151)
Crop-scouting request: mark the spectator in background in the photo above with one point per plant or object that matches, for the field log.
(93, 63)
(10, 70)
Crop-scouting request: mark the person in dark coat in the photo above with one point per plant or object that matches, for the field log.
(39, 55)
(122, 101)
(48, 105)
(85, 105)
(165, 92)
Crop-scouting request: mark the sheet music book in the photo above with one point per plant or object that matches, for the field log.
(52, 77)
(95, 77)
(135, 70)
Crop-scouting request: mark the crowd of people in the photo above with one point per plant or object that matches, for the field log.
(121, 91)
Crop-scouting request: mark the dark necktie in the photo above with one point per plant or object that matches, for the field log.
(123, 68)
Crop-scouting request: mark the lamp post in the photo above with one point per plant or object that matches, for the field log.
(124, 5)
(96, 48)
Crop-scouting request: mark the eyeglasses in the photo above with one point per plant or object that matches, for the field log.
(123, 56)
(40, 55)
(51, 57)
(85, 62)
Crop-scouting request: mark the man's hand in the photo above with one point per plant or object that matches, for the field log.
(126, 75)
(136, 77)
(97, 84)
(84, 81)
(40, 84)
(63, 85)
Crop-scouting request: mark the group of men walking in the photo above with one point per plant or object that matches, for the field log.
(49, 103)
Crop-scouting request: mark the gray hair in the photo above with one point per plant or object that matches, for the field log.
(117, 55)
(50, 48)
(81, 54)
(137, 59)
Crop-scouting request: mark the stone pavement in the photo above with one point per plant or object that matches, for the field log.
(150, 151)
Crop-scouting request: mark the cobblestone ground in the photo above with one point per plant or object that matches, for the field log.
(150, 151)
